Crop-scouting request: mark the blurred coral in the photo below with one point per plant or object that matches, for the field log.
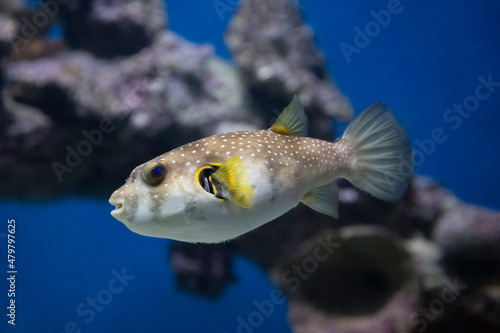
(112, 28)
(277, 56)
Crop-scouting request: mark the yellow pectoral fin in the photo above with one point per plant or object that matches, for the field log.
(233, 178)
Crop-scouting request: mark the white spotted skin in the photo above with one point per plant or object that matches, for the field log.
(283, 169)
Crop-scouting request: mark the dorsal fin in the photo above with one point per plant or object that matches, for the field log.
(324, 199)
(233, 181)
(292, 121)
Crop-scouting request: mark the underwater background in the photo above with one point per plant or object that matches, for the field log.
(430, 56)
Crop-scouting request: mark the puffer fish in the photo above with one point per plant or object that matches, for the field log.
(223, 186)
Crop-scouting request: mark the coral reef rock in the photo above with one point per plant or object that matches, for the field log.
(355, 279)
(132, 109)
(203, 270)
(113, 28)
(356, 270)
(470, 239)
(277, 55)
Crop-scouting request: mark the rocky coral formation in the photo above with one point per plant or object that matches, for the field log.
(470, 239)
(112, 28)
(277, 56)
(150, 101)
(203, 269)
(77, 114)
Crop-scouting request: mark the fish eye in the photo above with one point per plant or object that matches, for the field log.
(154, 173)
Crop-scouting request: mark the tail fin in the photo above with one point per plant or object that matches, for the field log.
(382, 155)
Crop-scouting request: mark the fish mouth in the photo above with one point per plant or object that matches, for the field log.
(118, 207)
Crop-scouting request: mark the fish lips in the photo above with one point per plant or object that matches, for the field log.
(119, 210)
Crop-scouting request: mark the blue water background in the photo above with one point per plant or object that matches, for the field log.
(426, 59)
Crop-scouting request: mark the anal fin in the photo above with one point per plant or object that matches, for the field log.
(324, 199)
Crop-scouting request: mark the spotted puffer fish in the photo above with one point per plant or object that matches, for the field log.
(223, 186)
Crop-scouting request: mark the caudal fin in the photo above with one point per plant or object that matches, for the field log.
(381, 163)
